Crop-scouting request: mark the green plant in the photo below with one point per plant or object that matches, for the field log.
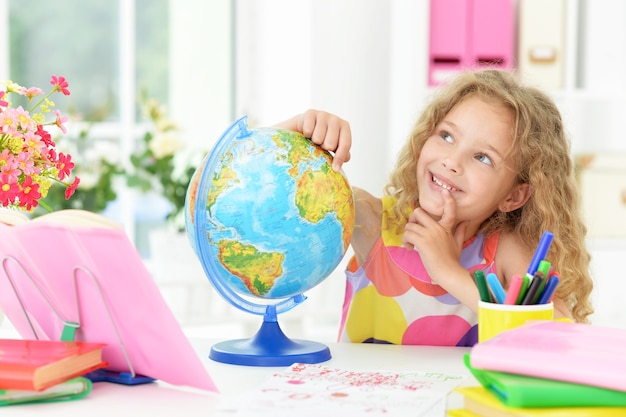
(159, 163)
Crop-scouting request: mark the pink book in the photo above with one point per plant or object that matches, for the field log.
(70, 269)
(571, 352)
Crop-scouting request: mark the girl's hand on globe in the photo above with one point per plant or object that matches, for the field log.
(327, 130)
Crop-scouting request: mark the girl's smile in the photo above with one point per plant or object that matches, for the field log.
(444, 183)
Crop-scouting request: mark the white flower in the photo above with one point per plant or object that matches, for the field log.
(164, 144)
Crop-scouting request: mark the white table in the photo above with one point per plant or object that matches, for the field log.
(160, 399)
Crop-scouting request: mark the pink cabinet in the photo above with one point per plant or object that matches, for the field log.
(470, 34)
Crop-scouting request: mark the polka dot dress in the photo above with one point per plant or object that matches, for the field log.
(391, 298)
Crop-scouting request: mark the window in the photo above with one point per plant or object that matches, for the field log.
(83, 41)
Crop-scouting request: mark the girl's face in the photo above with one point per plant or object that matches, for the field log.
(467, 154)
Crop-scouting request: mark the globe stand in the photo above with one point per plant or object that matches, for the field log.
(269, 347)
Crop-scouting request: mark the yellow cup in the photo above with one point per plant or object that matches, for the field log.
(494, 318)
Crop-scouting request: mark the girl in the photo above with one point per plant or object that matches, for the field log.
(486, 170)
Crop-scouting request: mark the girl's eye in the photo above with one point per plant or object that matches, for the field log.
(484, 159)
(447, 137)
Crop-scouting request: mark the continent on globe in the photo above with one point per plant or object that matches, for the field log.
(256, 270)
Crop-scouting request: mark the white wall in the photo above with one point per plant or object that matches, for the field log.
(331, 55)
(201, 65)
(593, 110)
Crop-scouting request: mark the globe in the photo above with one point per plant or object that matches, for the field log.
(269, 219)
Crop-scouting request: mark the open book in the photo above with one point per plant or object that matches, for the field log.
(75, 269)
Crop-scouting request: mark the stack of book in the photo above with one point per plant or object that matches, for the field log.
(44, 370)
(548, 369)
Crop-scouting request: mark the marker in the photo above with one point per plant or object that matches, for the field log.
(514, 288)
(496, 287)
(540, 253)
(523, 289)
(544, 268)
(481, 283)
(549, 289)
(531, 294)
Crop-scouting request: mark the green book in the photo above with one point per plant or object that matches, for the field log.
(72, 389)
(515, 390)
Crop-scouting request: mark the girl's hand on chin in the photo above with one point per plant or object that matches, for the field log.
(437, 241)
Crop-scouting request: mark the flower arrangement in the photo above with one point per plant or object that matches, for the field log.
(29, 163)
(159, 164)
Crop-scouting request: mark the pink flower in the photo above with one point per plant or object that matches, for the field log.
(26, 163)
(2, 102)
(23, 120)
(60, 120)
(52, 155)
(8, 121)
(29, 194)
(9, 165)
(45, 136)
(34, 142)
(12, 173)
(7, 159)
(64, 165)
(8, 190)
(69, 191)
(31, 92)
(60, 84)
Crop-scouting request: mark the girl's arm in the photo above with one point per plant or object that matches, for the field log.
(367, 223)
(329, 131)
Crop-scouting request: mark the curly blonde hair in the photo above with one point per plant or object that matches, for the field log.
(540, 150)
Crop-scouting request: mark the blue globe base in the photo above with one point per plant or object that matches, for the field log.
(269, 347)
